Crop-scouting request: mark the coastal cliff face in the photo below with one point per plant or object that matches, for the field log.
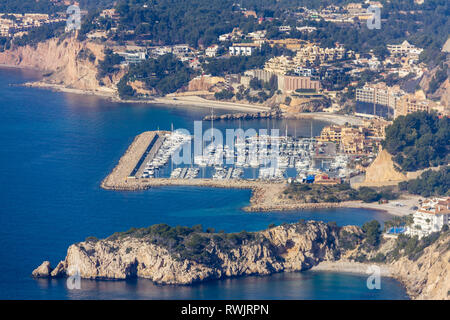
(182, 255)
(284, 248)
(66, 62)
(428, 277)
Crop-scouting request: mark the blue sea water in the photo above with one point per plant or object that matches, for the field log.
(55, 150)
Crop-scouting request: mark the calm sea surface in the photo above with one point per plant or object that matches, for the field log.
(55, 150)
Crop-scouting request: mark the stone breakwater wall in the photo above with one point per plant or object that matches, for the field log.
(246, 116)
(118, 178)
(292, 206)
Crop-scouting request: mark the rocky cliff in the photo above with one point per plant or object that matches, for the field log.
(184, 255)
(65, 62)
(299, 105)
(427, 277)
(204, 256)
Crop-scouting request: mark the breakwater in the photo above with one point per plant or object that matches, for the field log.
(275, 114)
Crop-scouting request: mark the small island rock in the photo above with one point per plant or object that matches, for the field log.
(43, 271)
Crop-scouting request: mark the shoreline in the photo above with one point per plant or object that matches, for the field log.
(179, 101)
(185, 100)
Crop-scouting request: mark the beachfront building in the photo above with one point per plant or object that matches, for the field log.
(363, 139)
(293, 83)
(331, 134)
(432, 215)
(379, 94)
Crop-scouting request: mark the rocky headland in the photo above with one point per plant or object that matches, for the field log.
(183, 256)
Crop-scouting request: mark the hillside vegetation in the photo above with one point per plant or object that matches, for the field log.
(419, 140)
(430, 183)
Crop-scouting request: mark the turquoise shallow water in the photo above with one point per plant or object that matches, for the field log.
(55, 150)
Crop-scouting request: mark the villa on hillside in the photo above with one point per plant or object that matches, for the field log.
(432, 215)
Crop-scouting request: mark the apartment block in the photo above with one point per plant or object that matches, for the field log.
(380, 94)
(292, 83)
(413, 102)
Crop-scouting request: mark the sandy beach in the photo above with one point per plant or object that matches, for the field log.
(182, 101)
(186, 100)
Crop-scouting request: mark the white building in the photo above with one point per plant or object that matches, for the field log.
(180, 49)
(244, 49)
(211, 51)
(404, 48)
(257, 35)
(380, 94)
(306, 29)
(133, 57)
(284, 28)
(430, 217)
(303, 72)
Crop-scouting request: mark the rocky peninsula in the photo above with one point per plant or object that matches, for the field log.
(183, 256)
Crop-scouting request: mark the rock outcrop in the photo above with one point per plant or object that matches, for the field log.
(43, 271)
(204, 83)
(285, 248)
(299, 105)
(428, 277)
(382, 171)
(65, 62)
(184, 256)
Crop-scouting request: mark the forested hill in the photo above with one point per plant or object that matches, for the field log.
(28, 6)
(419, 140)
(48, 6)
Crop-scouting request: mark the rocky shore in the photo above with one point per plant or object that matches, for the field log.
(183, 256)
(285, 248)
